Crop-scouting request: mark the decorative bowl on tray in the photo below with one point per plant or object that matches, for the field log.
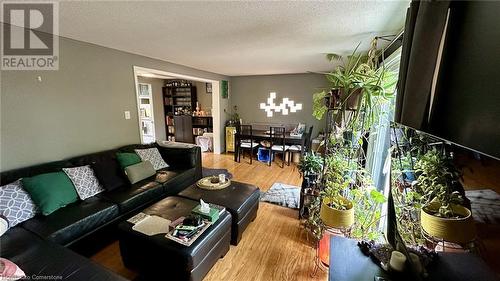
(212, 183)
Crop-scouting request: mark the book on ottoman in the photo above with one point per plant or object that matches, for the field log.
(187, 240)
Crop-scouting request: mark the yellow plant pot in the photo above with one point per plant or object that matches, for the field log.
(337, 218)
(459, 230)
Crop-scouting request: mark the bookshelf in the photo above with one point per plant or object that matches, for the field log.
(179, 98)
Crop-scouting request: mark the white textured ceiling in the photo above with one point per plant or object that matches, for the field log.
(234, 38)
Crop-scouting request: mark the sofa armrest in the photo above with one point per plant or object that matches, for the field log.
(181, 156)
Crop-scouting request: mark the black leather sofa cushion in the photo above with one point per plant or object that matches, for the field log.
(240, 199)
(72, 222)
(159, 256)
(131, 197)
(42, 259)
(178, 180)
(178, 156)
(105, 167)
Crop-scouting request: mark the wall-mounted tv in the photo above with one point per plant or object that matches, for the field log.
(449, 84)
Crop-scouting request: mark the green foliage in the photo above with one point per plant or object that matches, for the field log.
(336, 167)
(343, 176)
(407, 206)
(359, 73)
(334, 192)
(319, 107)
(314, 223)
(311, 163)
(437, 176)
(367, 209)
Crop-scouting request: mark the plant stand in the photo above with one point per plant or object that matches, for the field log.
(469, 247)
(308, 192)
(319, 264)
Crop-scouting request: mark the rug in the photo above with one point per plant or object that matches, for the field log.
(282, 194)
(485, 205)
(207, 172)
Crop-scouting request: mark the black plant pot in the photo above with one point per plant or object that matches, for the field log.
(351, 99)
(332, 99)
(348, 137)
(311, 178)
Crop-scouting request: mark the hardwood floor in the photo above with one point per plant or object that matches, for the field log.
(273, 247)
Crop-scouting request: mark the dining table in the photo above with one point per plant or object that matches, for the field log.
(260, 135)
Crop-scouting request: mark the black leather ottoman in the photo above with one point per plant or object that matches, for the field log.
(157, 257)
(240, 199)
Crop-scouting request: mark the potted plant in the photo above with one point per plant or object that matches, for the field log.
(442, 214)
(336, 210)
(311, 165)
(233, 117)
(355, 82)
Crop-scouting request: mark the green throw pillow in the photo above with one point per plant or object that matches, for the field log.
(126, 159)
(50, 191)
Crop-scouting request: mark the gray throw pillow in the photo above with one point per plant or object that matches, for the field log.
(84, 180)
(16, 204)
(152, 155)
(139, 171)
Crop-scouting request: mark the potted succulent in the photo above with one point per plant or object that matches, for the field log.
(443, 214)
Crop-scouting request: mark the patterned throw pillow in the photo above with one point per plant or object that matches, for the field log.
(16, 204)
(152, 155)
(84, 180)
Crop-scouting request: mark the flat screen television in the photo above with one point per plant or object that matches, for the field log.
(464, 106)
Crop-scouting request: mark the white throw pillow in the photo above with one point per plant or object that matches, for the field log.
(84, 180)
(152, 155)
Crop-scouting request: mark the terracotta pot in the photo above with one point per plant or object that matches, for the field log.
(456, 230)
(337, 218)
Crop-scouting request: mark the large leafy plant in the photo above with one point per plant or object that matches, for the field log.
(311, 164)
(357, 73)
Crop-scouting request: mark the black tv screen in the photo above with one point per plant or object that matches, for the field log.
(465, 107)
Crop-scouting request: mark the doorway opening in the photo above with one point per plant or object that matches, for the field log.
(181, 108)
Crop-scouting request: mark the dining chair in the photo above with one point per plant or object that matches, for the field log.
(277, 140)
(302, 148)
(245, 141)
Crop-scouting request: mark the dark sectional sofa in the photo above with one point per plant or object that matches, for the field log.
(39, 245)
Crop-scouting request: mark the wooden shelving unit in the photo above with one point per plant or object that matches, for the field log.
(179, 98)
(202, 124)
